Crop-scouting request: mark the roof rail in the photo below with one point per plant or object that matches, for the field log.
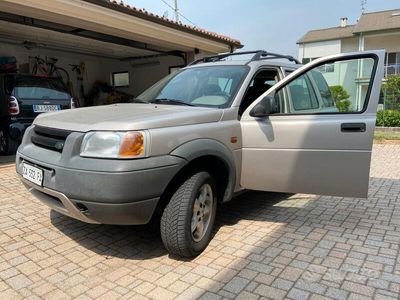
(258, 55)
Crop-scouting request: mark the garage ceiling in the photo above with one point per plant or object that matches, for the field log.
(43, 38)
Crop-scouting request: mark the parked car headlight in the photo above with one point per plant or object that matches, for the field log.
(108, 144)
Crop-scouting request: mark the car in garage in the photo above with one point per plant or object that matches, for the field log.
(199, 136)
(22, 98)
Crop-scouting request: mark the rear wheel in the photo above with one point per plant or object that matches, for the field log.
(8, 146)
(188, 219)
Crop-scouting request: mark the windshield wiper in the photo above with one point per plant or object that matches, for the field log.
(171, 101)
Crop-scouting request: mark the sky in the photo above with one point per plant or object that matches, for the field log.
(270, 25)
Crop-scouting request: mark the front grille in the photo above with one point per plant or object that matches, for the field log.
(49, 138)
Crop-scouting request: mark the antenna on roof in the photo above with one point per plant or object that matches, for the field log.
(176, 9)
(363, 6)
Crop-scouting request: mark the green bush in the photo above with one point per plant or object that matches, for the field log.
(340, 96)
(343, 105)
(388, 118)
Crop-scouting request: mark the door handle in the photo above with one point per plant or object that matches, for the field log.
(353, 127)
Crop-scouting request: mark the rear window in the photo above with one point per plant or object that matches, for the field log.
(30, 87)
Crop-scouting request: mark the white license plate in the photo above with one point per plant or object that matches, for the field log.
(32, 174)
(46, 108)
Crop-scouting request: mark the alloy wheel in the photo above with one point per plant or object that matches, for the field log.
(202, 209)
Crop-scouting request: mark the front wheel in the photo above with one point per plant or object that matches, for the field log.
(188, 219)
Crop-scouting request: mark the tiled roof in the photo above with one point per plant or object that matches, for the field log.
(144, 14)
(381, 20)
(327, 34)
(375, 21)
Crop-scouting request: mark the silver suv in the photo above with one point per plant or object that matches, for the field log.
(204, 133)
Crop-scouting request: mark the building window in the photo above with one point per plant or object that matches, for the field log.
(392, 64)
(393, 58)
(120, 79)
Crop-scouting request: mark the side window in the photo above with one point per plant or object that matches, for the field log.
(261, 83)
(338, 87)
(302, 95)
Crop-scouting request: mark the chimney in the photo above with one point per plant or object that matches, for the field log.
(343, 22)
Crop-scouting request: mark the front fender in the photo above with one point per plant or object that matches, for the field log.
(209, 147)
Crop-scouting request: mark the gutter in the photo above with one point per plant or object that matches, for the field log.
(165, 22)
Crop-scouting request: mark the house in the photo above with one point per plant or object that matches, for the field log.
(376, 30)
(107, 41)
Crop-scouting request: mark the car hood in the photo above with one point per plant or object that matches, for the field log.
(128, 116)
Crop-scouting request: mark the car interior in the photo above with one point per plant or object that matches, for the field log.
(262, 82)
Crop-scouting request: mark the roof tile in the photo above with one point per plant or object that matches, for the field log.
(375, 21)
(120, 5)
(381, 20)
(327, 34)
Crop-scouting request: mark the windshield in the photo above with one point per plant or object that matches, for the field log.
(213, 86)
(30, 87)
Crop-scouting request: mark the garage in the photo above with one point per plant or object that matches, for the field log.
(99, 47)
(101, 51)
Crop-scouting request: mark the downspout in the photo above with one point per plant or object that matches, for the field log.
(361, 47)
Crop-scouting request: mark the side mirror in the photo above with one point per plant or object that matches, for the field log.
(267, 106)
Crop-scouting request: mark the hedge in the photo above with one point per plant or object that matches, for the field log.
(388, 118)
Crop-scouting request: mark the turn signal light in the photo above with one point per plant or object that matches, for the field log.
(132, 145)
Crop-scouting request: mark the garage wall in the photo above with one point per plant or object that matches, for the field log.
(143, 73)
(93, 64)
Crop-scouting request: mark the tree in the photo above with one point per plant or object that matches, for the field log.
(392, 87)
(340, 96)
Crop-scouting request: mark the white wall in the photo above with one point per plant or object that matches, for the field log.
(142, 74)
(389, 42)
(319, 49)
(350, 45)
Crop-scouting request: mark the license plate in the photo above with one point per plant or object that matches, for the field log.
(46, 108)
(32, 174)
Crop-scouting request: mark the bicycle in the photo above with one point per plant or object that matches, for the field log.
(48, 67)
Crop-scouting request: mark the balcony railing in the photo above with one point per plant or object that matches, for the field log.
(392, 70)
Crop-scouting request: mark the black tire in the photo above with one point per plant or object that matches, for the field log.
(8, 146)
(176, 221)
(62, 74)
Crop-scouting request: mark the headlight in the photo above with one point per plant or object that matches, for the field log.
(108, 144)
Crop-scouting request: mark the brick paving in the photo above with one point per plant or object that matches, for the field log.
(265, 245)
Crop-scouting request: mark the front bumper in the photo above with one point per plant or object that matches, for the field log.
(98, 190)
(135, 213)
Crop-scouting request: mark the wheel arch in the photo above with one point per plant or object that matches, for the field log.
(212, 156)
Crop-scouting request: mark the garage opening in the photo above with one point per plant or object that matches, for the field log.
(77, 53)
(97, 69)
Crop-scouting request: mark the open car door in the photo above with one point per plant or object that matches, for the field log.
(313, 131)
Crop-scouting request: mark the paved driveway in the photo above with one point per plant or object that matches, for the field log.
(266, 245)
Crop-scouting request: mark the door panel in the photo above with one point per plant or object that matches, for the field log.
(307, 171)
(317, 151)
